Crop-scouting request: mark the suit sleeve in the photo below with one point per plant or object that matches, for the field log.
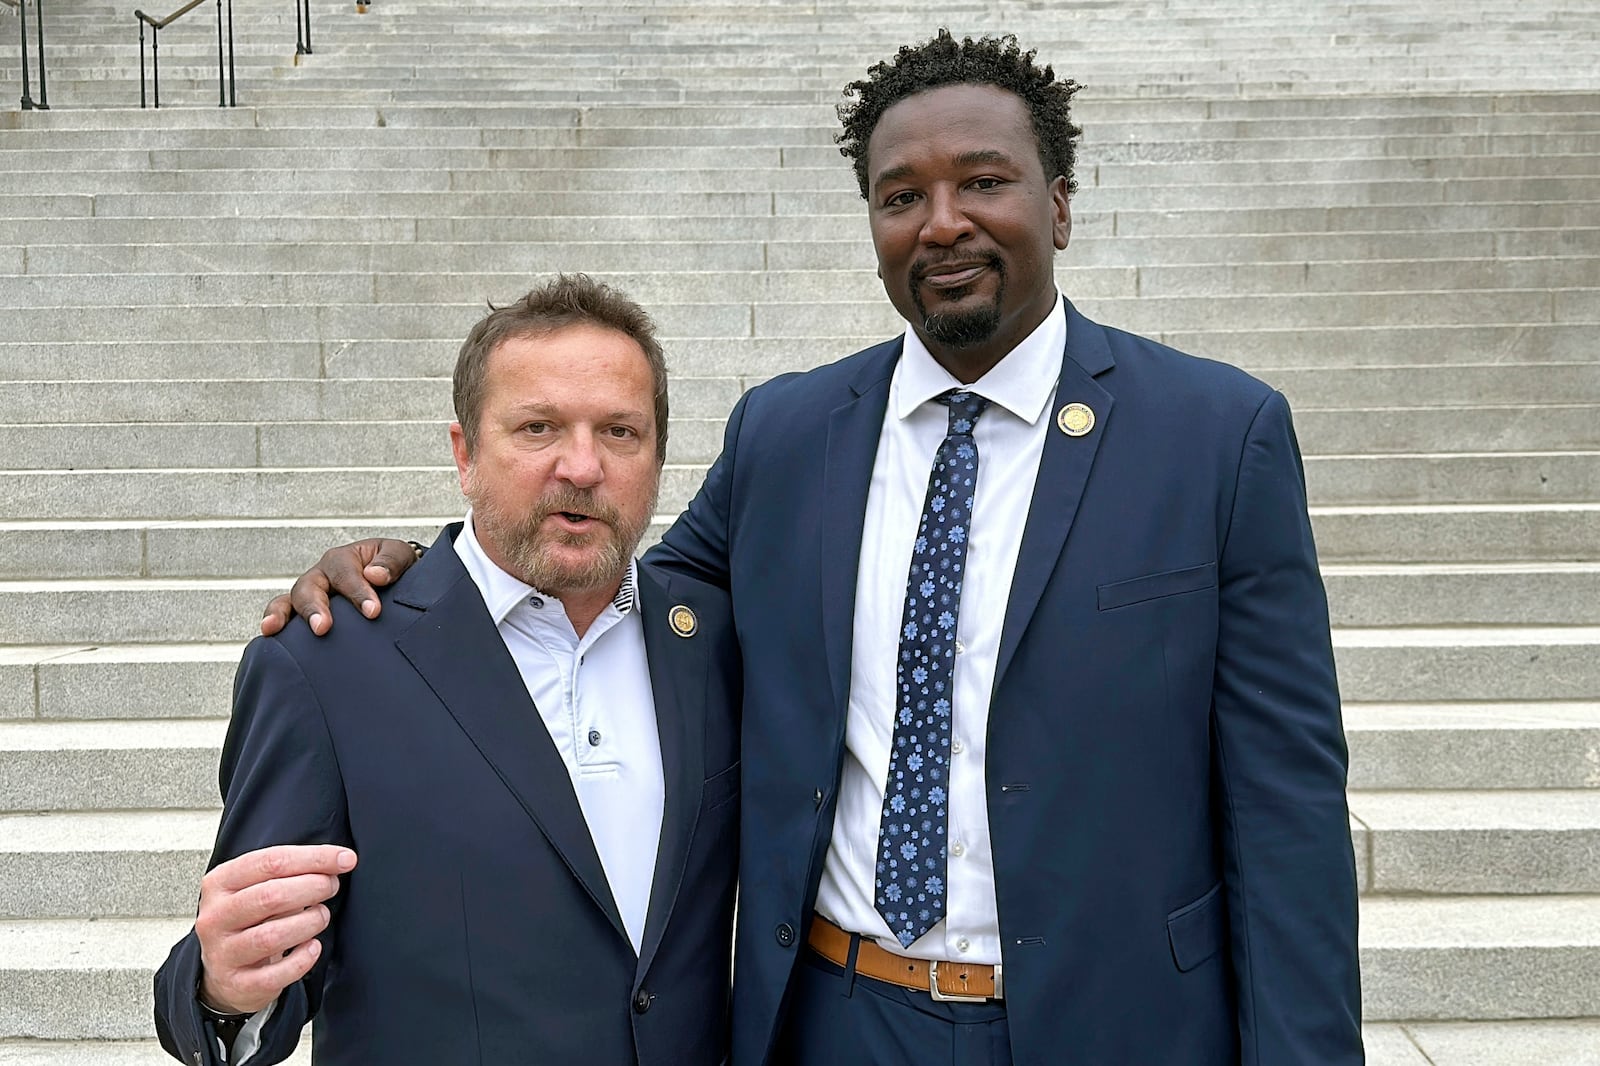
(280, 785)
(1281, 762)
(697, 543)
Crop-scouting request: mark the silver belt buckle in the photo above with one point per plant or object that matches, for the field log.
(933, 987)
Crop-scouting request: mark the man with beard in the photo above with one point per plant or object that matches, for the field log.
(458, 834)
(1043, 760)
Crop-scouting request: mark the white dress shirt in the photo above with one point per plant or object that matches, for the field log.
(1010, 436)
(595, 698)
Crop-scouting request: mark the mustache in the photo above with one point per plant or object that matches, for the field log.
(928, 265)
(575, 501)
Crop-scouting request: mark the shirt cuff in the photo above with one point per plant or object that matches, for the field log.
(248, 1042)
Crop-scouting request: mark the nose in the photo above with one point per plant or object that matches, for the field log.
(946, 224)
(579, 464)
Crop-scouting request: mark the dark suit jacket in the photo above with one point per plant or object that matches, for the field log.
(1166, 764)
(478, 926)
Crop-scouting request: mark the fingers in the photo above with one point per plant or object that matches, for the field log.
(259, 916)
(251, 989)
(391, 559)
(309, 599)
(343, 569)
(245, 973)
(275, 863)
(279, 611)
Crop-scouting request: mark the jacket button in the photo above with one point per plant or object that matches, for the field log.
(641, 1001)
(785, 934)
(816, 798)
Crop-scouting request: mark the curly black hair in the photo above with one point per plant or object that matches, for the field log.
(997, 61)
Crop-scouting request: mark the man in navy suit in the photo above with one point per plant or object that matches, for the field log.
(499, 824)
(1042, 748)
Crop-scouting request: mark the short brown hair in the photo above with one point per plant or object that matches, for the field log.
(565, 300)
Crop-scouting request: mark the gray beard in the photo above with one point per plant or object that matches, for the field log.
(528, 548)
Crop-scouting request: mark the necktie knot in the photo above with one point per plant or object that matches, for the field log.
(965, 407)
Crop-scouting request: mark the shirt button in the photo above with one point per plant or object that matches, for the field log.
(594, 738)
(784, 934)
(958, 849)
(641, 1001)
(960, 648)
(957, 747)
(963, 944)
(535, 602)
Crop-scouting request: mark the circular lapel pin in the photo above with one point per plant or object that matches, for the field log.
(682, 621)
(1075, 419)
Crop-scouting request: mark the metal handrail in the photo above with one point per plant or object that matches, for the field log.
(28, 103)
(302, 27)
(227, 82)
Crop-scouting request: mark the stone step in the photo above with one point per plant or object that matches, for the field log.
(1461, 533)
(738, 271)
(118, 864)
(1412, 664)
(1461, 366)
(1545, 1043)
(136, 1053)
(94, 250)
(103, 152)
(1459, 663)
(1479, 957)
(186, 610)
(1473, 745)
(1477, 843)
(1550, 945)
(130, 864)
(109, 765)
(1349, 434)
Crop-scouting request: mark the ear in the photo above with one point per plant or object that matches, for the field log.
(1060, 213)
(463, 456)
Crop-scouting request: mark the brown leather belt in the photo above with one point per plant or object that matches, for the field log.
(951, 982)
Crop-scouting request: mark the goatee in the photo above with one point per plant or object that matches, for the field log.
(961, 329)
(530, 550)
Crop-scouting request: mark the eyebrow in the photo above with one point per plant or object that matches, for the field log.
(535, 407)
(975, 157)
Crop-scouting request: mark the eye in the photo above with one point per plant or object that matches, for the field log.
(622, 432)
(901, 199)
(985, 184)
(536, 427)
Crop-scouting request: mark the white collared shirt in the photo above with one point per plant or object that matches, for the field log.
(1010, 436)
(595, 698)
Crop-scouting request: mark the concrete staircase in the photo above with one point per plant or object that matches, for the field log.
(225, 334)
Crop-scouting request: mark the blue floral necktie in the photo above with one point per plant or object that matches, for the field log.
(913, 834)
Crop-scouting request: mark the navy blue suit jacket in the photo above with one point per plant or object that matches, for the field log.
(1166, 763)
(478, 926)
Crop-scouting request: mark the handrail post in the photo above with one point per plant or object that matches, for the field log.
(303, 47)
(155, 61)
(44, 93)
(222, 81)
(233, 77)
(139, 18)
(27, 92)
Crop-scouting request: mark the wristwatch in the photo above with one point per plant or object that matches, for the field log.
(226, 1026)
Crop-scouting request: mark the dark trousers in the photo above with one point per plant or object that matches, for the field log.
(837, 1019)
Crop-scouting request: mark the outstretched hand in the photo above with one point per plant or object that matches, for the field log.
(352, 570)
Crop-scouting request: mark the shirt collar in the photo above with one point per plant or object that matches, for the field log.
(503, 593)
(1023, 382)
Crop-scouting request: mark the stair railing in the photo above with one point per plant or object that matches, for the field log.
(227, 82)
(302, 27)
(28, 103)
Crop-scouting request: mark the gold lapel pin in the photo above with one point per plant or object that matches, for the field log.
(683, 621)
(1075, 419)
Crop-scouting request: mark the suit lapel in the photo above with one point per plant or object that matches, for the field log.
(853, 431)
(1063, 472)
(678, 670)
(460, 654)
